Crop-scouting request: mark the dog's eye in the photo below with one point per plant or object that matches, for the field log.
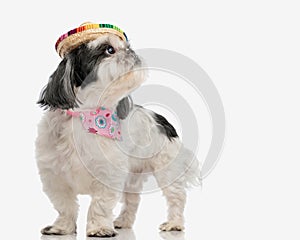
(110, 50)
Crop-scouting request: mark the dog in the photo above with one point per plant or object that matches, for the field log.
(74, 157)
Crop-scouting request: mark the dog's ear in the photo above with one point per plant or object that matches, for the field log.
(59, 92)
(124, 107)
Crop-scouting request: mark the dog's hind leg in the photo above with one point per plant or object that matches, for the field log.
(131, 200)
(64, 201)
(176, 198)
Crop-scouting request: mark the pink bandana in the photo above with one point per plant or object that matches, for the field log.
(102, 121)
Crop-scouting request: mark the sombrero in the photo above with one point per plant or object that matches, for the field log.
(84, 33)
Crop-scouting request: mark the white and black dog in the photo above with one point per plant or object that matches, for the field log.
(72, 161)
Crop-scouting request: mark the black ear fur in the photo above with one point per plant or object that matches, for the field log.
(124, 107)
(59, 92)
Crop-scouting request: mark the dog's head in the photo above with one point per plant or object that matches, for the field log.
(102, 72)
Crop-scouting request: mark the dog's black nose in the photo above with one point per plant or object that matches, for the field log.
(131, 53)
(137, 60)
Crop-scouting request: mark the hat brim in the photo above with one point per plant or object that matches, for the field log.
(74, 38)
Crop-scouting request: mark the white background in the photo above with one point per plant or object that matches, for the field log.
(251, 51)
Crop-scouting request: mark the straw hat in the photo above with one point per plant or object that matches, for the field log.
(84, 33)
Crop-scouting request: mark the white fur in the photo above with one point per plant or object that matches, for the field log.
(72, 161)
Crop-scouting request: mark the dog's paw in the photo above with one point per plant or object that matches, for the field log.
(54, 230)
(120, 223)
(102, 232)
(171, 226)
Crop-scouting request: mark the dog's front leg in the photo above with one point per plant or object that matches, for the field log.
(100, 214)
(64, 201)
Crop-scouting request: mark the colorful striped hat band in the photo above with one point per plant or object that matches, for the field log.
(85, 33)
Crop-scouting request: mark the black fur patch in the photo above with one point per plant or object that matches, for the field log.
(84, 60)
(165, 127)
(124, 107)
(59, 92)
(78, 68)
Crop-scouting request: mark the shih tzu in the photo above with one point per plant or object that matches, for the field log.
(93, 140)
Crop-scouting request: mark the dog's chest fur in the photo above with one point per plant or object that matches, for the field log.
(55, 139)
